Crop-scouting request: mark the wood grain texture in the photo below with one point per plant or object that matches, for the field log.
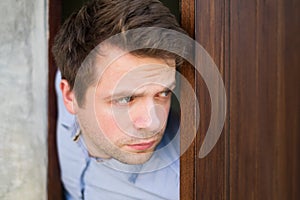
(54, 186)
(187, 160)
(256, 46)
(264, 99)
(211, 171)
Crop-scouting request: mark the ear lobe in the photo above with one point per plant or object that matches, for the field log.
(68, 96)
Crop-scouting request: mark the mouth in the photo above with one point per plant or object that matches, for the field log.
(142, 146)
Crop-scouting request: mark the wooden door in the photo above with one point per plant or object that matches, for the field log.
(256, 46)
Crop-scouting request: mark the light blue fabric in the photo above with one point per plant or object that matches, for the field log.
(88, 178)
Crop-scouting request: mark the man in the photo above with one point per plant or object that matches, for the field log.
(120, 139)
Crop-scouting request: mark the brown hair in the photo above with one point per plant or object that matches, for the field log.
(97, 21)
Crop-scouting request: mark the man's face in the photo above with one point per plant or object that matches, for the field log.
(124, 116)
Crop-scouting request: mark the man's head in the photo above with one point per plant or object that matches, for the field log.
(99, 20)
(123, 98)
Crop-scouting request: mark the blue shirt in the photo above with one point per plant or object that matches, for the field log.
(85, 177)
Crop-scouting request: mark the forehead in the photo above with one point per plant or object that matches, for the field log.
(121, 72)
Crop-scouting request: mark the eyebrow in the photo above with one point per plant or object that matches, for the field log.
(126, 93)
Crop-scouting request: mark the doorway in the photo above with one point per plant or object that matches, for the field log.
(59, 10)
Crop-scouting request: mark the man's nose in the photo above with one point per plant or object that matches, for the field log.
(147, 116)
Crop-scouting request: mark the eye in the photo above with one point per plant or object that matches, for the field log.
(165, 93)
(123, 100)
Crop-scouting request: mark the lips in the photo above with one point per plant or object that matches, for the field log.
(141, 146)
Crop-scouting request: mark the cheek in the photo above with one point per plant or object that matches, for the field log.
(166, 110)
(107, 123)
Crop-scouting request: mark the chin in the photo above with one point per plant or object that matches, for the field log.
(135, 158)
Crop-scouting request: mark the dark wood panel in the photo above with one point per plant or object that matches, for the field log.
(54, 185)
(264, 98)
(289, 157)
(211, 33)
(187, 160)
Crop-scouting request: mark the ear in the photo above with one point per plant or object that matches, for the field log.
(68, 96)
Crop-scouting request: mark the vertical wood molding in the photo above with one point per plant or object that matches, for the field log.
(187, 160)
(54, 185)
(211, 171)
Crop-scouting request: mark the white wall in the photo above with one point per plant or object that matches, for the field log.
(23, 99)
